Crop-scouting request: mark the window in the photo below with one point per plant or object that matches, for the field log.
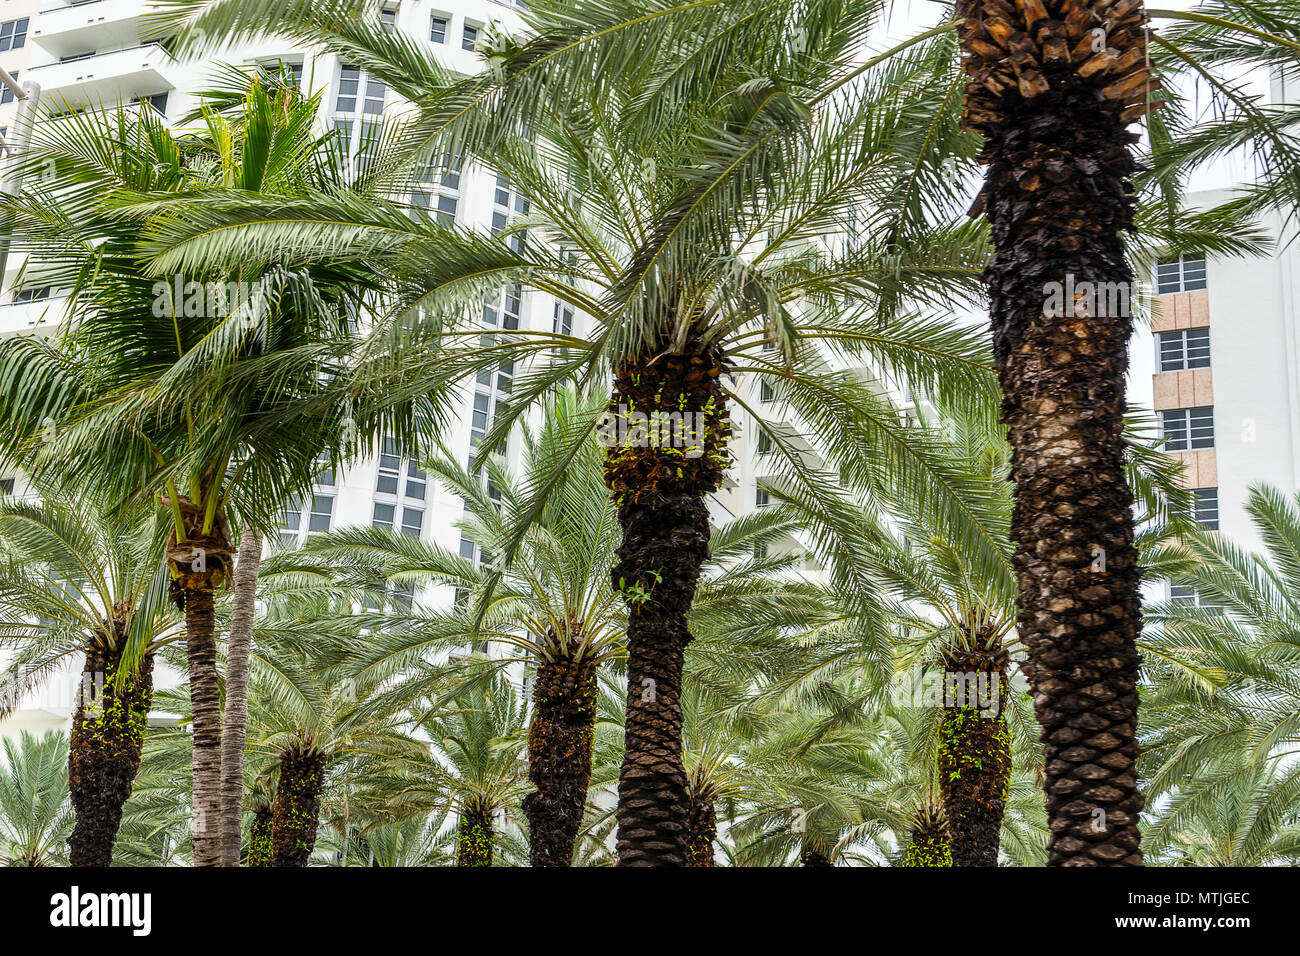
(1205, 507)
(469, 38)
(297, 520)
(322, 510)
(1183, 274)
(1187, 428)
(563, 324)
(399, 484)
(507, 202)
(766, 393)
(6, 486)
(439, 192)
(1185, 594)
(388, 18)
(358, 108)
(384, 515)
(158, 101)
(13, 34)
(438, 29)
(764, 443)
(6, 94)
(412, 521)
(443, 208)
(352, 82)
(33, 293)
(761, 499)
(1184, 349)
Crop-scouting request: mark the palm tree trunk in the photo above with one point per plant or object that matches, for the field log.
(205, 703)
(559, 752)
(975, 752)
(701, 829)
(660, 491)
(261, 850)
(475, 837)
(199, 565)
(297, 805)
(929, 839)
(108, 730)
(1054, 115)
(233, 728)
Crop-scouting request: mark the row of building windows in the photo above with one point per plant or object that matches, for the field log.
(438, 26)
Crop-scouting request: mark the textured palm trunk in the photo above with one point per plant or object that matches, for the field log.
(205, 703)
(261, 850)
(108, 730)
(200, 564)
(559, 751)
(660, 489)
(297, 805)
(975, 751)
(236, 719)
(1053, 88)
(701, 829)
(929, 843)
(475, 837)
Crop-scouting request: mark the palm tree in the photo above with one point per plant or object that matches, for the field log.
(310, 722)
(1053, 88)
(35, 817)
(86, 579)
(212, 390)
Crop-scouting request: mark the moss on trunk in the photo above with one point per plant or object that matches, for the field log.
(975, 750)
(261, 850)
(475, 838)
(929, 844)
(701, 829)
(108, 731)
(297, 805)
(560, 741)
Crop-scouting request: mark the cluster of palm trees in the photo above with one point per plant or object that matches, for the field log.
(247, 304)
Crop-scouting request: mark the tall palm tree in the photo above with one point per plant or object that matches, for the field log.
(1053, 88)
(210, 390)
(86, 579)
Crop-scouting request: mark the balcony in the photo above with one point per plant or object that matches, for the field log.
(94, 80)
(66, 29)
